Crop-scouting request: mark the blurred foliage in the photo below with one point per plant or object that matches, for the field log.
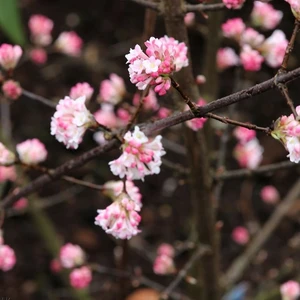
(10, 21)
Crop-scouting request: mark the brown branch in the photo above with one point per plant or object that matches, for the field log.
(201, 251)
(239, 265)
(204, 7)
(148, 129)
(148, 4)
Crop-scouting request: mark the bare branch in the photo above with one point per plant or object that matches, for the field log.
(148, 4)
(204, 7)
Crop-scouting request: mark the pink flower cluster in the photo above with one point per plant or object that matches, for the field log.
(71, 256)
(7, 256)
(265, 16)
(164, 262)
(80, 278)
(197, 123)
(255, 49)
(248, 151)
(240, 235)
(121, 218)
(233, 4)
(140, 156)
(9, 56)
(287, 130)
(81, 89)
(290, 290)
(11, 89)
(32, 152)
(6, 156)
(295, 7)
(269, 194)
(162, 57)
(70, 121)
(69, 43)
(40, 29)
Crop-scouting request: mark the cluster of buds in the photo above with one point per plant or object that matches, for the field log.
(7, 256)
(290, 290)
(254, 47)
(248, 151)
(234, 4)
(154, 67)
(295, 7)
(287, 131)
(164, 261)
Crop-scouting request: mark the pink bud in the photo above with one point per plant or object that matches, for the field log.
(69, 43)
(8, 173)
(269, 194)
(80, 278)
(32, 152)
(166, 249)
(55, 266)
(163, 112)
(240, 235)
(290, 290)
(71, 255)
(21, 204)
(38, 56)
(189, 19)
(251, 59)
(7, 258)
(81, 89)
(40, 28)
(10, 56)
(163, 265)
(11, 89)
(200, 79)
(233, 4)
(6, 156)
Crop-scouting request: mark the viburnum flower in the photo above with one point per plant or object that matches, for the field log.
(69, 43)
(38, 55)
(7, 173)
(200, 79)
(11, 89)
(149, 102)
(32, 152)
(162, 57)
(252, 37)
(197, 123)
(81, 89)
(163, 112)
(71, 255)
(189, 19)
(81, 277)
(233, 28)
(251, 59)
(244, 135)
(114, 189)
(166, 249)
(6, 156)
(240, 235)
(112, 90)
(40, 28)
(123, 115)
(290, 290)
(226, 58)
(120, 219)
(7, 258)
(70, 121)
(273, 49)
(295, 7)
(249, 155)
(106, 116)
(265, 16)
(140, 156)
(9, 56)
(163, 265)
(233, 4)
(269, 194)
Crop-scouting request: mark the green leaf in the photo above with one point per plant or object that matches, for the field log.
(10, 21)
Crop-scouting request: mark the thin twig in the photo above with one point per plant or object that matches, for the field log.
(148, 4)
(237, 269)
(41, 99)
(6, 128)
(204, 7)
(201, 251)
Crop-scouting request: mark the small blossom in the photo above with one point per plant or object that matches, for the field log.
(273, 49)
(80, 278)
(123, 115)
(38, 56)
(295, 7)
(112, 90)
(269, 194)
(106, 116)
(251, 59)
(293, 147)
(8, 173)
(200, 79)
(6, 156)
(252, 38)
(154, 66)
(249, 155)
(71, 255)
(233, 28)
(70, 121)
(99, 138)
(120, 219)
(40, 28)
(149, 102)
(189, 19)
(163, 265)
(69, 43)
(7, 258)
(226, 58)
(240, 235)
(163, 112)
(265, 16)
(233, 4)
(12, 89)
(140, 156)
(32, 152)
(21, 204)
(197, 123)
(9, 56)
(244, 135)
(166, 249)
(81, 89)
(290, 290)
